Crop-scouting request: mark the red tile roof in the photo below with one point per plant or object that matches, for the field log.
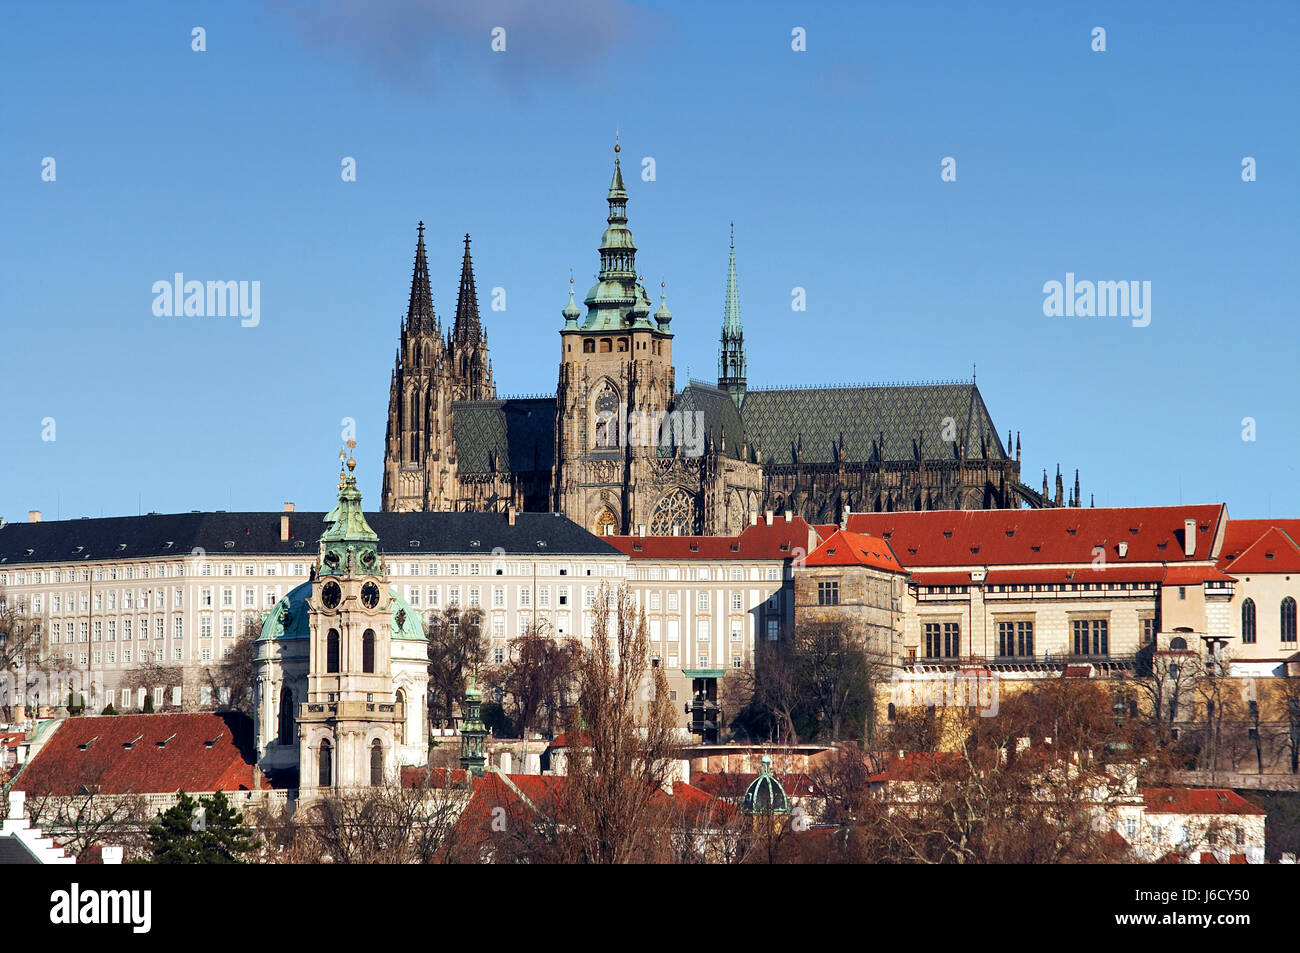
(567, 738)
(843, 548)
(1195, 575)
(781, 540)
(941, 538)
(1198, 801)
(1274, 550)
(1240, 534)
(11, 739)
(144, 754)
(1077, 574)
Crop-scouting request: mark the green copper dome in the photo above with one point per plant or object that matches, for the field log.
(290, 619)
(765, 794)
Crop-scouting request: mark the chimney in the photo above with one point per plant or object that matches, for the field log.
(848, 511)
(767, 516)
(753, 518)
(284, 522)
(510, 517)
(677, 530)
(1123, 549)
(640, 530)
(110, 855)
(789, 515)
(33, 516)
(1189, 536)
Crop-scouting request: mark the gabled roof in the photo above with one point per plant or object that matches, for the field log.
(1240, 534)
(844, 548)
(782, 540)
(722, 420)
(1274, 550)
(144, 754)
(1198, 801)
(948, 538)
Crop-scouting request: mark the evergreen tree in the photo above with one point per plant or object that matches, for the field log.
(203, 831)
(109, 709)
(148, 704)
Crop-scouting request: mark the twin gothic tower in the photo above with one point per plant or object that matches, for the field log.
(620, 449)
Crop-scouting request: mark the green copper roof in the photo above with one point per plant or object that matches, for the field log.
(617, 301)
(731, 307)
(290, 619)
(346, 521)
(765, 794)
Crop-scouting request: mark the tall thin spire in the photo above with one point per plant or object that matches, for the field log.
(732, 364)
(419, 314)
(467, 317)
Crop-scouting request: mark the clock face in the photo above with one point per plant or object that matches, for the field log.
(331, 594)
(370, 595)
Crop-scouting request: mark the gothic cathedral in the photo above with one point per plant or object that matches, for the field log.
(621, 450)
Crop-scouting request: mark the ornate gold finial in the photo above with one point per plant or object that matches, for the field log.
(352, 445)
(616, 145)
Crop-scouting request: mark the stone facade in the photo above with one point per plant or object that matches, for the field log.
(621, 450)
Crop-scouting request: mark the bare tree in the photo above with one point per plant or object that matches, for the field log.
(607, 801)
(20, 652)
(456, 648)
(539, 679)
(235, 672)
(149, 675)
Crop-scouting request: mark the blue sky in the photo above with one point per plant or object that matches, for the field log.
(225, 165)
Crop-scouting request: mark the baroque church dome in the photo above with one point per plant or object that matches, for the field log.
(289, 619)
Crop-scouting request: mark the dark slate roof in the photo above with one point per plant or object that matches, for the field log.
(776, 420)
(498, 436)
(230, 535)
(14, 851)
(721, 415)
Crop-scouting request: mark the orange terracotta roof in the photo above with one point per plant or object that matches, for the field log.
(1240, 534)
(1274, 550)
(1195, 575)
(1078, 574)
(781, 540)
(854, 549)
(938, 538)
(1198, 801)
(940, 578)
(144, 754)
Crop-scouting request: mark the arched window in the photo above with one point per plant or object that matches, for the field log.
(1248, 622)
(368, 651)
(376, 764)
(589, 346)
(286, 716)
(606, 418)
(1178, 644)
(606, 345)
(332, 652)
(406, 716)
(1288, 619)
(325, 773)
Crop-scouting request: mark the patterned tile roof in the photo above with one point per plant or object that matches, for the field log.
(721, 416)
(848, 423)
(516, 435)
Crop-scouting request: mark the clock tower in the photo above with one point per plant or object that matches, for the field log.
(351, 723)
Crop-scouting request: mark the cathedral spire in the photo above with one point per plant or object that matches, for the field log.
(467, 323)
(732, 364)
(419, 314)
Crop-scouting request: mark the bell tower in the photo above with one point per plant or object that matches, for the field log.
(615, 384)
(350, 724)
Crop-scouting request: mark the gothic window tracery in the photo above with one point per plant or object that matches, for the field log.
(605, 411)
(676, 510)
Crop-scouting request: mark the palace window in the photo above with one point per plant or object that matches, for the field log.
(1288, 620)
(942, 639)
(1015, 638)
(828, 593)
(1091, 637)
(1248, 622)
